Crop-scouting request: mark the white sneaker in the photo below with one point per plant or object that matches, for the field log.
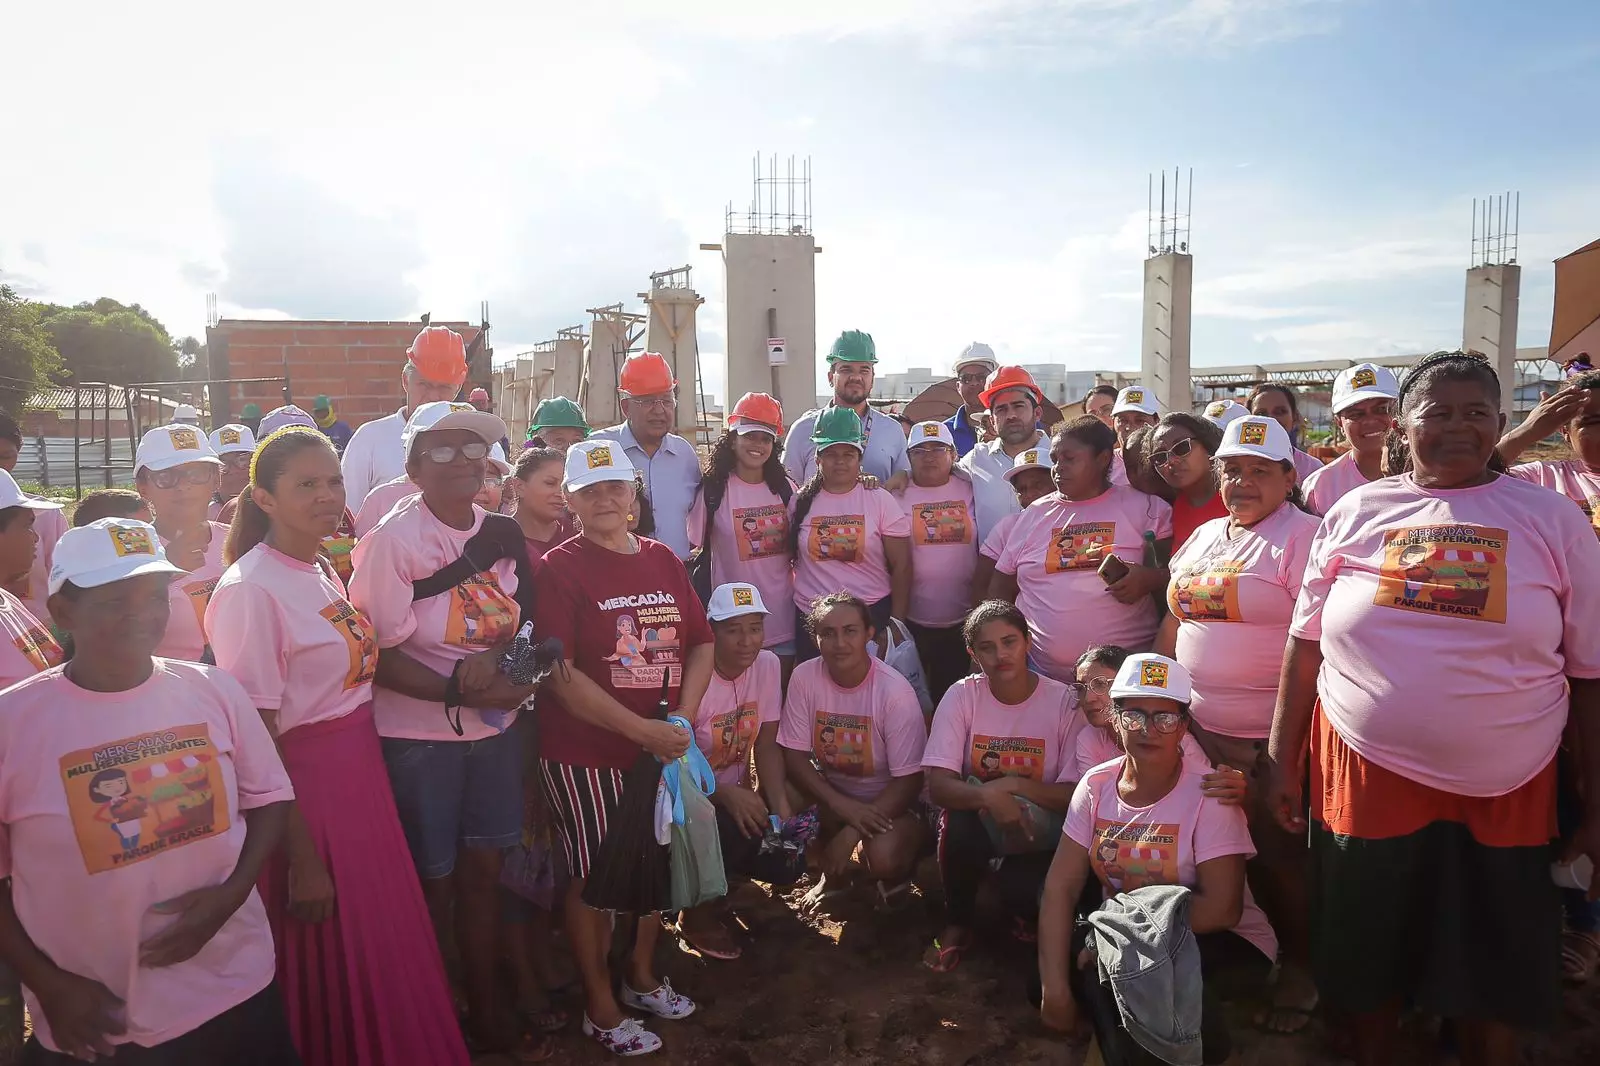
(627, 1040)
(663, 1002)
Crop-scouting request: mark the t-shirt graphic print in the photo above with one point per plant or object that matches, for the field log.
(1208, 591)
(761, 532)
(1456, 570)
(843, 743)
(941, 522)
(356, 630)
(143, 795)
(647, 643)
(481, 615)
(996, 757)
(1132, 856)
(1079, 547)
(733, 734)
(837, 538)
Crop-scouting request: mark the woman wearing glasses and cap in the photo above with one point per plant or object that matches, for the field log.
(628, 620)
(1363, 410)
(1139, 820)
(1230, 601)
(177, 472)
(746, 494)
(444, 585)
(134, 830)
(234, 445)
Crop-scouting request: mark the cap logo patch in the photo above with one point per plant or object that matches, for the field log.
(744, 598)
(1253, 434)
(184, 439)
(930, 431)
(1153, 675)
(1136, 396)
(130, 540)
(228, 436)
(1030, 458)
(599, 457)
(454, 407)
(1217, 408)
(1363, 378)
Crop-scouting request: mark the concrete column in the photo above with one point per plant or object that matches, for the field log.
(567, 362)
(1490, 322)
(602, 363)
(670, 332)
(1164, 354)
(771, 282)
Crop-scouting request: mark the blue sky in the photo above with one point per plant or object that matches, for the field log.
(980, 165)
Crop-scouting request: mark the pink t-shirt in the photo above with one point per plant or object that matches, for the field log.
(112, 802)
(1326, 487)
(975, 735)
(409, 545)
(49, 526)
(733, 712)
(284, 629)
(1164, 843)
(750, 542)
(841, 544)
(1233, 598)
(995, 543)
(1119, 467)
(1095, 746)
(28, 646)
(1570, 478)
(1449, 621)
(863, 736)
(1306, 464)
(1055, 549)
(944, 551)
(188, 596)
(380, 501)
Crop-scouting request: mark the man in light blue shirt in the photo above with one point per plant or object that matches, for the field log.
(851, 367)
(670, 465)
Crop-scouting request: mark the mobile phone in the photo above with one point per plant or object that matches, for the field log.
(1113, 570)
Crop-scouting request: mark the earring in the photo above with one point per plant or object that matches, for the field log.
(630, 516)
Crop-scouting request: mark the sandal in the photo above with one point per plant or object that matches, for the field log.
(1580, 956)
(551, 1020)
(942, 959)
(1287, 1019)
(726, 954)
(893, 900)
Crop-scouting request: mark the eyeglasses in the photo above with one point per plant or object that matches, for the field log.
(1177, 451)
(493, 482)
(446, 453)
(1098, 685)
(235, 459)
(1137, 721)
(974, 379)
(654, 403)
(187, 474)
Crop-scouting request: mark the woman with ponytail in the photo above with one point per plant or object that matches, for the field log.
(358, 964)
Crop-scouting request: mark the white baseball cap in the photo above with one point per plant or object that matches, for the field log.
(1221, 412)
(976, 352)
(930, 433)
(734, 599)
(173, 445)
(11, 495)
(1364, 381)
(287, 415)
(232, 438)
(1135, 398)
(107, 550)
(1256, 435)
(497, 459)
(1149, 674)
(185, 411)
(1030, 459)
(592, 461)
(451, 414)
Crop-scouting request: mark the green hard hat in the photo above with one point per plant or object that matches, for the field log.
(558, 411)
(837, 425)
(853, 346)
(251, 410)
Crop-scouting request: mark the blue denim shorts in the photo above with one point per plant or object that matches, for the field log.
(455, 794)
(786, 648)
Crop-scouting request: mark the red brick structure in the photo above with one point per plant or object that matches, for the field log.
(357, 364)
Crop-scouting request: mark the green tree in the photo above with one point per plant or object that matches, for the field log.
(194, 362)
(109, 341)
(27, 357)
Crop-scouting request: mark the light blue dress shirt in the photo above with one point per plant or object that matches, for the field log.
(885, 453)
(671, 477)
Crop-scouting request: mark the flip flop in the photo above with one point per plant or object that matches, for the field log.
(893, 900)
(727, 954)
(552, 1020)
(1580, 956)
(943, 959)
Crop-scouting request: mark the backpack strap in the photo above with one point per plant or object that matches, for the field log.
(499, 537)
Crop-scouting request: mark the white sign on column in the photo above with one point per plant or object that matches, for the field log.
(777, 352)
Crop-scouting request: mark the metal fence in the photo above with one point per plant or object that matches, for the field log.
(49, 461)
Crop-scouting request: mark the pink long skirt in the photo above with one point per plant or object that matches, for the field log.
(367, 986)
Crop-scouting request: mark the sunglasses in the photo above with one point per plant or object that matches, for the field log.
(1098, 685)
(1137, 721)
(1177, 451)
(188, 474)
(446, 453)
(974, 379)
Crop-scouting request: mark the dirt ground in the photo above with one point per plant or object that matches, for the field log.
(847, 988)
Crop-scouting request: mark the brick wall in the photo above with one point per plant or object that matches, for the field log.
(357, 364)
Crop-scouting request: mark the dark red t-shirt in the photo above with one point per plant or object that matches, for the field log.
(1186, 517)
(623, 620)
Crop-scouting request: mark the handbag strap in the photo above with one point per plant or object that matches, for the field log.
(499, 537)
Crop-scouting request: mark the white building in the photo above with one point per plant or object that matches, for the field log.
(1059, 385)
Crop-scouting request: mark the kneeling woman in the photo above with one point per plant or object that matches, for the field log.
(998, 738)
(139, 799)
(357, 961)
(1143, 820)
(853, 734)
(739, 717)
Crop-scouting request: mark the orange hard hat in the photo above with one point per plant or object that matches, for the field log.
(439, 354)
(1009, 377)
(646, 374)
(758, 408)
